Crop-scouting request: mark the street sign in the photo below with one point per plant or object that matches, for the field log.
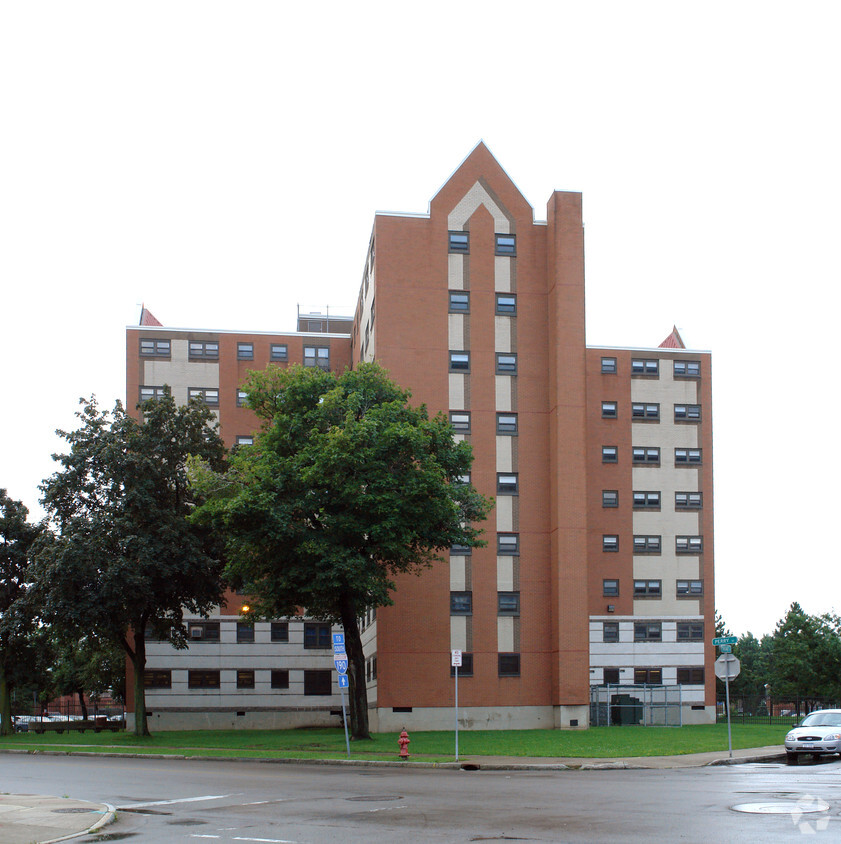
(726, 649)
(338, 638)
(341, 664)
(344, 681)
(455, 659)
(725, 640)
(727, 667)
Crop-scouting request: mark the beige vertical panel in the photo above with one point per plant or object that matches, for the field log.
(456, 331)
(502, 273)
(505, 634)
(458, 573)
(455, 271)
(504, 393)
(458, 632)
(502, 334)
(457, 391)
(505, 513)
(505, 574)
(504, 454)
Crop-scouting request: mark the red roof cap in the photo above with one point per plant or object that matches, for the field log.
(673, 341)
(147, 317)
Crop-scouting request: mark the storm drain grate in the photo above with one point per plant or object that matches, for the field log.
(79, 811)
(374, 798)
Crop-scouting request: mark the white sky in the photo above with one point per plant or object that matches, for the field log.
(200, 156)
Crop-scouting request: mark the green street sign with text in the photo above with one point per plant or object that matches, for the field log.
(725, 640)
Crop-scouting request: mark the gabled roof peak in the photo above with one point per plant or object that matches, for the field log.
(147, 317)
(673, 341)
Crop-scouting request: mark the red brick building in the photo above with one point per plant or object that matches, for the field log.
(599, 565)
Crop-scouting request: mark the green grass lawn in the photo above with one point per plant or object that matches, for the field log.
(600, 742)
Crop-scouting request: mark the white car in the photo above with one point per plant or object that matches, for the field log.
(818, 734)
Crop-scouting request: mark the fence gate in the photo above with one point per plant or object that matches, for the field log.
(646, 705)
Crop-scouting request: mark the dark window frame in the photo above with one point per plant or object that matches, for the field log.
(459, 307)
(647, 499)
(689, 631)
(610, 631)
(688, 503)
(648, 588)
(689, 588)
(157, 678)
(689, 456)
(465, 669)
(690, 675)
(505, 485)
(505, 244)
(461, 602)
(648, 676)
(203, 350)
(204, 678)
(318, 682)
(245, 678)
(645, 367)
(459, 365)
(610, 587)
(506, 363)
(610, 499)
(460, 244)
(279, 352)
(645, 455)
(279, 631)
(316, 359)
(280, 678)
(690, 413)
(207, 395)
(610, 454)
(686, 366)
(642, 411)
(245, 351)
(610, 410)
(503, 307)
(609, 366)
(689, 545)
(510, 550)
(159, 348)
(211, 631)
(459, 424)
(157, 392)
(245, 632)
(513, 607)
(648, 631)
(507, 428)
(317, 635)
(648, 544)
(508, 665)
(610, 543)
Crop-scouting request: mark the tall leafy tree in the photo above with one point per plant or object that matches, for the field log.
(346, 486)
(122, 556)
(17, 657)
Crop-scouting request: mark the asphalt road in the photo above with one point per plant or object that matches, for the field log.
(187, 801)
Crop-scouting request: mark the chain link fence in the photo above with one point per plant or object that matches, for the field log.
(645, 705)
(756, 709)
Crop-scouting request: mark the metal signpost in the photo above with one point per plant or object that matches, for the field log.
(341, 662)
(455, 661)
(727, 668)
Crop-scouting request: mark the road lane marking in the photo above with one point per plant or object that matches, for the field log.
(171, 802)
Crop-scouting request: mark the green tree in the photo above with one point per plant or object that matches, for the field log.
(123, 558)
(346, 486)
(754, 656)
(17, 661)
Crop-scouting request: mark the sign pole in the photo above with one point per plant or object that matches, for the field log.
(455, 662)
(456, 713)
(344, 720)
(340, 660)
(727, 699)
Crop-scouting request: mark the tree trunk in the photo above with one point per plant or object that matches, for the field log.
(356, 670)
(81, 695)
(138, 659)
(6, 726)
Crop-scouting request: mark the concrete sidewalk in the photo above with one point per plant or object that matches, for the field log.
(31, 819)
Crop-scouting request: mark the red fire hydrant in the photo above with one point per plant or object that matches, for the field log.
(403, 741)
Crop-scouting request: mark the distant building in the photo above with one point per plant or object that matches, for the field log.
(599, 564)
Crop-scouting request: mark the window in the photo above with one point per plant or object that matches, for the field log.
(245, 440)
(506, 304)
(645, 367)
(280, 678)
(278, 351)
(610, 498)
(689, 544)
(689, 588)
(646, 500)
(508, 603)
(610, 588)
(149, 393)
(509, 665)
(648, 631)
(459, 361)
(507, 484)
(245, 678)
(155, 348)
(242, 398)
(506, 244)
(610, 631)
(690, 676)
(688, 500)
(460, 420)
(203, 679)
(687, 413)
(610, 677)
(461, 549)
(461, 603)
(648, 676)
(459, 302)
(506, 364)
(690, 631)
(610, 454)
(280, 631)
(245, 632)
(648, 588)
(154, 678)
(608, 366)
(317, 635)
(204, 394)
(204, 351)
(459, 242)
(506, 423)
(608, 410)
(245, 351)
(610, 542)
(203, 631)
(508, 543)
(646, 544)
(318, 683)
(650, 412)
(687, 456)
(466, 667)
(648, 456)
(687, 369)
(317, 356)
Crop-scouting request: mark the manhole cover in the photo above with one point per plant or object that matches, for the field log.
(73, 811)
(374, 798)
(783, 807)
